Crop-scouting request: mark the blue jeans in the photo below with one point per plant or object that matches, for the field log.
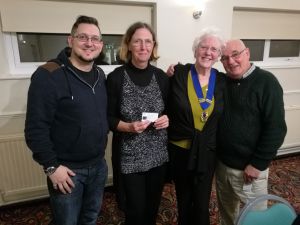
(82, 206)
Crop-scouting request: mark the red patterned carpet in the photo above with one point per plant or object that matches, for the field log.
(284, 181)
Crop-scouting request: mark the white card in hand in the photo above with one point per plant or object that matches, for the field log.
(149, 116)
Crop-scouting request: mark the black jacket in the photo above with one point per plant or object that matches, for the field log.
(66, 120)
(182, 122)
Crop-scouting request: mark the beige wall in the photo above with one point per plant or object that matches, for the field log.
(269, 4)
(176, 29)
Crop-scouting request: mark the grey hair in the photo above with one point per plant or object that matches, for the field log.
(205, 33)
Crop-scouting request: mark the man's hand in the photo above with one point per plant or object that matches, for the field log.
(170, 71)
(61, 179)
(250, 174)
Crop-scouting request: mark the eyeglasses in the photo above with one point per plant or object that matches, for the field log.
(86, 38)
(235, 55)
(139, 42)
(206, 48)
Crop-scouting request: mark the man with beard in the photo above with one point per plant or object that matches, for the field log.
(66, 126)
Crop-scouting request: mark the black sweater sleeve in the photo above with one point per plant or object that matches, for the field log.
(273, 123)
(41, 106)
(114, 84)
(163, 82)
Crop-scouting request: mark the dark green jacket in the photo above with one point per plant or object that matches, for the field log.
(253, 125)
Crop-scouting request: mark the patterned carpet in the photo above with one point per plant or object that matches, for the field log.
(284, 181)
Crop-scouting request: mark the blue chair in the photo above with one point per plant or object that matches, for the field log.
(280, 213)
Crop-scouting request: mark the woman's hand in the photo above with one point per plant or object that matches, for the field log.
(133, 127)
(162, 122)
(139, 126)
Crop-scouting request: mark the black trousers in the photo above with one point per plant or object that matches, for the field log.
(193, 190)
(143, 195)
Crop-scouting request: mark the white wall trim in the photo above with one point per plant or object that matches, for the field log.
(12, 77)
(292, 92)
(292, 107)
(17, 136)
(289, 149)
(278, 65)
(13, 115)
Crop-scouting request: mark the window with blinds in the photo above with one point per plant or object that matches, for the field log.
(40, 29)
(271, 35)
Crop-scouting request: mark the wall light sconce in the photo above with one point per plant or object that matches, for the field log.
(21, 39)
(197, 14)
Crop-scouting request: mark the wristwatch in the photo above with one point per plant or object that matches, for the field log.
(50, 170)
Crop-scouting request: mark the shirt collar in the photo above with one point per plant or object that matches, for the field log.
(249, 71)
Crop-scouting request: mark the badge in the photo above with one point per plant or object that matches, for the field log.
(204, 116)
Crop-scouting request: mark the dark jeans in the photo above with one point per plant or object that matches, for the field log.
(192, 190)
(143, 194)
(82, 206)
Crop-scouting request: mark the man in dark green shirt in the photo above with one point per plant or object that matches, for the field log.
(251, 131)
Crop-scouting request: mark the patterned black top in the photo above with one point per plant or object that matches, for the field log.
(132, 91)
(142, 151)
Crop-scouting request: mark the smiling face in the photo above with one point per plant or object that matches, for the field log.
(207, 52)
(235, 59)
(84, 44)
(141, 47)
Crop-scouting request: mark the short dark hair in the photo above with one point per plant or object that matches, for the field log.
(125, 54)
(84, 19)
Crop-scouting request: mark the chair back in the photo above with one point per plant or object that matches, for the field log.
(280, 213)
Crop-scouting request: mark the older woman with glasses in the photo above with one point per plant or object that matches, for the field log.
(195, 106)
(137, 96)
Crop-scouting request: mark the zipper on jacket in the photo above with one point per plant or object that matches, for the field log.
(83, 81)
(68, 82)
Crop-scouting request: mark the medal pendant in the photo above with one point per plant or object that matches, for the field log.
(204, 116)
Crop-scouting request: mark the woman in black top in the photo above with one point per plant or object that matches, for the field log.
(196, 103)
(137, 95)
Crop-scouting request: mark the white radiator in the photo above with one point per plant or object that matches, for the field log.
(20, 177)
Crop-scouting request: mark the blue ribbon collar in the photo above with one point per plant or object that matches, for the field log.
(204, 102)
